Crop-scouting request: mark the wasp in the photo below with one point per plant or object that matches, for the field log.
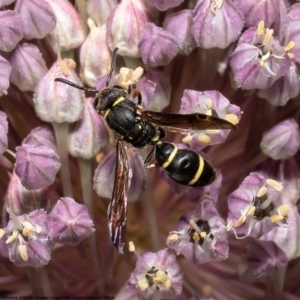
(139, 127)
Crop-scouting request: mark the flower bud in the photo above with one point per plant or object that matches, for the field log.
(182, 33)
(69, 31)
(164, 4)
(88, 135)
(282, 141)
(157, 46)
(3, 132)
(37, 17)
(11, 30)
(28, 67)
(69, 222)
(5, 70)
(41, 136)
(23, 201)
(124, 27)
(57, 101)
(163, 89)
(264, 258)
(36, 166)
(99, 11)
(105, 175)
(92, 63)
(216, 24)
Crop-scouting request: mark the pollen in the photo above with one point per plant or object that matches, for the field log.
(143, 284)
(251, 211)
(12, 237)
(289, 46)
(23, 252)
(213, 131)
(99, 157)
(131, 246)
(196, 237)
(28, 228)
(187, 139)
(261, 28)
(129, 76)
(64, 67)
(204, 139)
(203, 234)
(232, 118)
(173, 238)
(209, 103)
(160, 276)
(275, 184)
(262, 191)
(240, 221)
(284, 210)
(209, 112)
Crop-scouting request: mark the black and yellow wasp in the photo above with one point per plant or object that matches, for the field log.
(140, 128)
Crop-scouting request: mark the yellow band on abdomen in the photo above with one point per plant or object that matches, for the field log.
(199, 171)
(170, 158)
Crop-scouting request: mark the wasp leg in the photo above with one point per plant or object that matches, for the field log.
(136, 93)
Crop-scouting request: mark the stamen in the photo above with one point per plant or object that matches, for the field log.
(187, 139)
(266, 56)
(203, 234)
(289, 46)
(209, 103)
(204, 139)
(205, 197)
(213, 131)
(12, 237)
(14, 219)
(240, 221)
(275, 184)
(1, 233)
(28, 228)
(265, 204)
(219, 3)
(195, 226)
(262, 191)
(143, 284)
(212, 7)
(172, 238)
(23, 252)
(232, 118)
(269, 34)
(160, 276)
(131, 248)
(196, 237)
(261, 28)
(64, 67)
(209, 112)
(251, 211)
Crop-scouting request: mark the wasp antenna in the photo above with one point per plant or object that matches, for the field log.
(75, 85)
(112, 66)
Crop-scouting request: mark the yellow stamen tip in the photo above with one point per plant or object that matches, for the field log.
(23, 252)
(262, 191)
(284, 210)
(173, 238)
(289, 46)
(131, 246)
(261, 28)
(275, 184)
(276, 218)
(251, 211)
(204, 139)
(240, 221)
(232, 118)
(143, 284)
(213, 131)
(187, 139)
(196, 237)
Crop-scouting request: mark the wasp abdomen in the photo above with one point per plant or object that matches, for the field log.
(184, 166)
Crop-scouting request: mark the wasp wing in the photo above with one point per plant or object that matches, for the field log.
(186, 123)
(117, 209)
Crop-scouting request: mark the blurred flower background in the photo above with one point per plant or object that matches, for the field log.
(237, 238)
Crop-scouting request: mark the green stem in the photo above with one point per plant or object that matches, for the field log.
(274, 288)
(85, 167)
(61, 134)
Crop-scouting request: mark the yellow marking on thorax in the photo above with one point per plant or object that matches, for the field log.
(170, 158)
(106, 113)
(120, 99)
(199, 171)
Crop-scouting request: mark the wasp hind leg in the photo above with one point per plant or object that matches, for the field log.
(149, 157)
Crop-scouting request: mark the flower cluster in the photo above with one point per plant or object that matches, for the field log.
(207, 67)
